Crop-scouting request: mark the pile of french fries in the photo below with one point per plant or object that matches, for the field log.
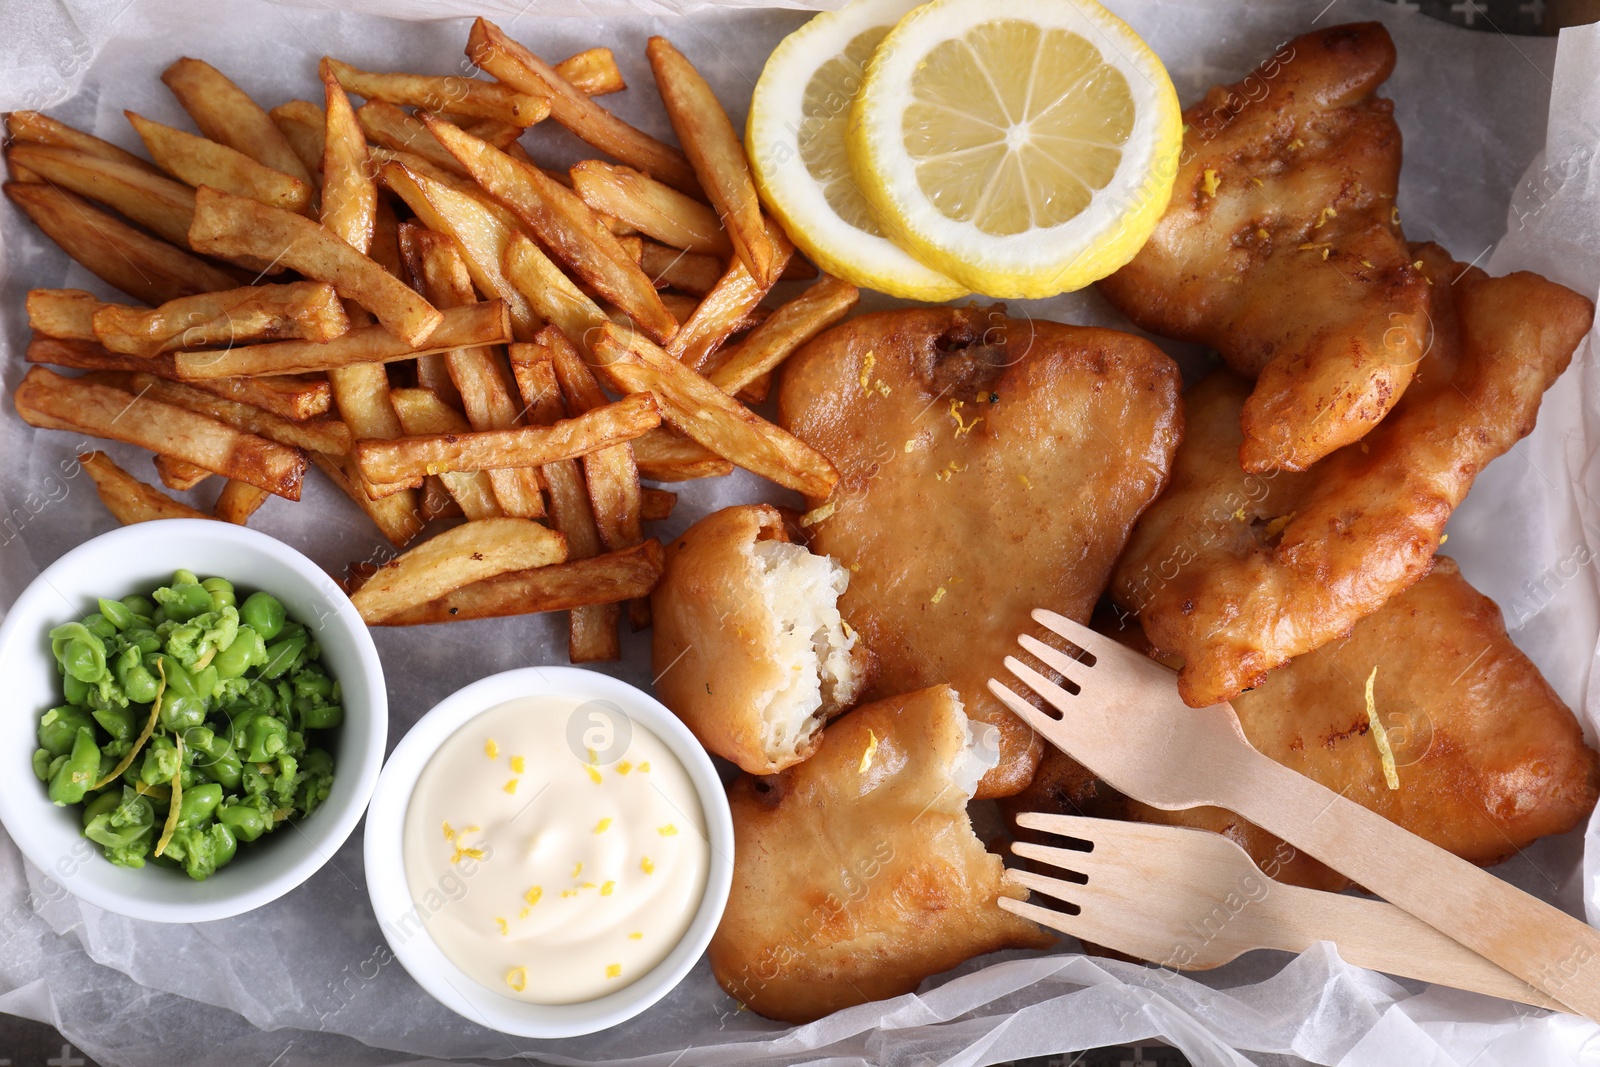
(399, 295)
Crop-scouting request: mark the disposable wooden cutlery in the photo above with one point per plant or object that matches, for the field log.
(1120, 716)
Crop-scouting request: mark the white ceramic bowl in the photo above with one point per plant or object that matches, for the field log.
(136, 559)
(391, 898)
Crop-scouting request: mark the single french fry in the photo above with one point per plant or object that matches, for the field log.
(791, 326)
(664, 455)
(467, 97)
(459, 556)
(723, 311)
(652, 208)
(564, 223)
(321, 435)
(47, 400)
(387, 125)
(499, 134)
(179, 475)
(307, 310)
(700, 410)
(154, 201)
(519, 68)
(382, 156)
(197, 161)
(522, 446)
(226, 114)
(63, 313)
(656, 505)
(554, 296)
(304, 125)
(485, 323)
(576, 583)
(717, 156)
(144, 267)
(395, 516)
(34, 127)
(676, 269)
(127, 498)
(433, 372)
(592, 72)
(349, 195)
(227, 225)
(238, 501)
(422, 412)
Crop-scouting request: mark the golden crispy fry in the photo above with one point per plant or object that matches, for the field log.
(519, 68)
(398, 523)
(479, 324)
(142, 266)
(433, 373)
(654, 209)
(553, 296)
(197, 162)
(717, 156)
(33, 127)
(226, 114)
(663, 455)
(688, 271)
(227, 225)
(467, 97)
(592, 72)
(993, 439)
(307, 310)
(304, 125)
(238, 501)
(1237, 573)
(565, 224)
(523, 446)
(179, 475)
(656, 505)
(725, 309)
(791, 326)
(64, 313)
(700, 410)
(1281, 247)
(349, 195)
(392, 128)
(467, 553)
(322, 435)
(47, 400)
(857, 873)
(127, 498)
(152, 200)
(421, 412)
(575, 584)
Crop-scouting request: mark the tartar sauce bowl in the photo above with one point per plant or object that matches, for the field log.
(400, 915)
(135, 559)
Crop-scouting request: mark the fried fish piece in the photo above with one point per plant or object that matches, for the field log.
(1487, 756)
(988, 466)
(1281, 247)
(1239, 572)
(856, 873)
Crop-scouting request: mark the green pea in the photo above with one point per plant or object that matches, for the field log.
(323, 717)
(80, 651)
(183, 601)
(76, 692)
(77, 774)
(246, 650)
(41, 764)
(185, 577)
(101, 626)
(263, 613)
(218, 761)
(142, 606)
(160, 761)
(143, 638)
(139, 684)
(282, 654)
(103, 804)
(58, 728)
(224, 844)
(205, 682)
(116, 613)
(222, 594)
(121, 723)
(198, 804)
(245, 821)
(266, 738)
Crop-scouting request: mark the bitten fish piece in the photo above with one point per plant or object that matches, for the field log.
(988, 466)
(1237, 573)
(856, 873)
(1281, 247)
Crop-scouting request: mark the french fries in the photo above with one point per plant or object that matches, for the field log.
(484, 323)
(664, 455)
(238, 501)
(33, 127)
(791, 326)
(735, 296)
(605, 579)
(127, 498)
(64, 313)
(303, 125)
(321, 435)
(392, 128)
(700, 410)
(467, 97)
(564, 223)
(718, 159)
(552, 294)
(349, 195)
(519, 68)
(422, 413)
(688, 271)
(179, 475)
(397, 522)
(408, 458)
(592, 72)
(656, 505)
(47, 400)
(197, 161)
(226, 114)
(307, 310)
(651, 207)
(227, 225)
(144, 267)
(154, 201)
(468, 553)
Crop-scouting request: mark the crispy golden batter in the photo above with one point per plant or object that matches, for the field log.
(1281, 247)
(1238, 572)
(856, 873)
(988, 466)
(1487, 756)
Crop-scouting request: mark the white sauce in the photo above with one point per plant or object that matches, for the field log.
(580, 879)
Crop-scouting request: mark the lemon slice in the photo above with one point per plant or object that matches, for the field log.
(1024, 149)
(796, 142)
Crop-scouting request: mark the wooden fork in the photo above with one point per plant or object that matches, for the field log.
(1191, 900)
(1122, 719)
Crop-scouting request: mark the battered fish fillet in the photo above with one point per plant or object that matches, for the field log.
(988, 466)
(1237, 573)
(1488, 757)
(1281, 247)
(856, 873)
